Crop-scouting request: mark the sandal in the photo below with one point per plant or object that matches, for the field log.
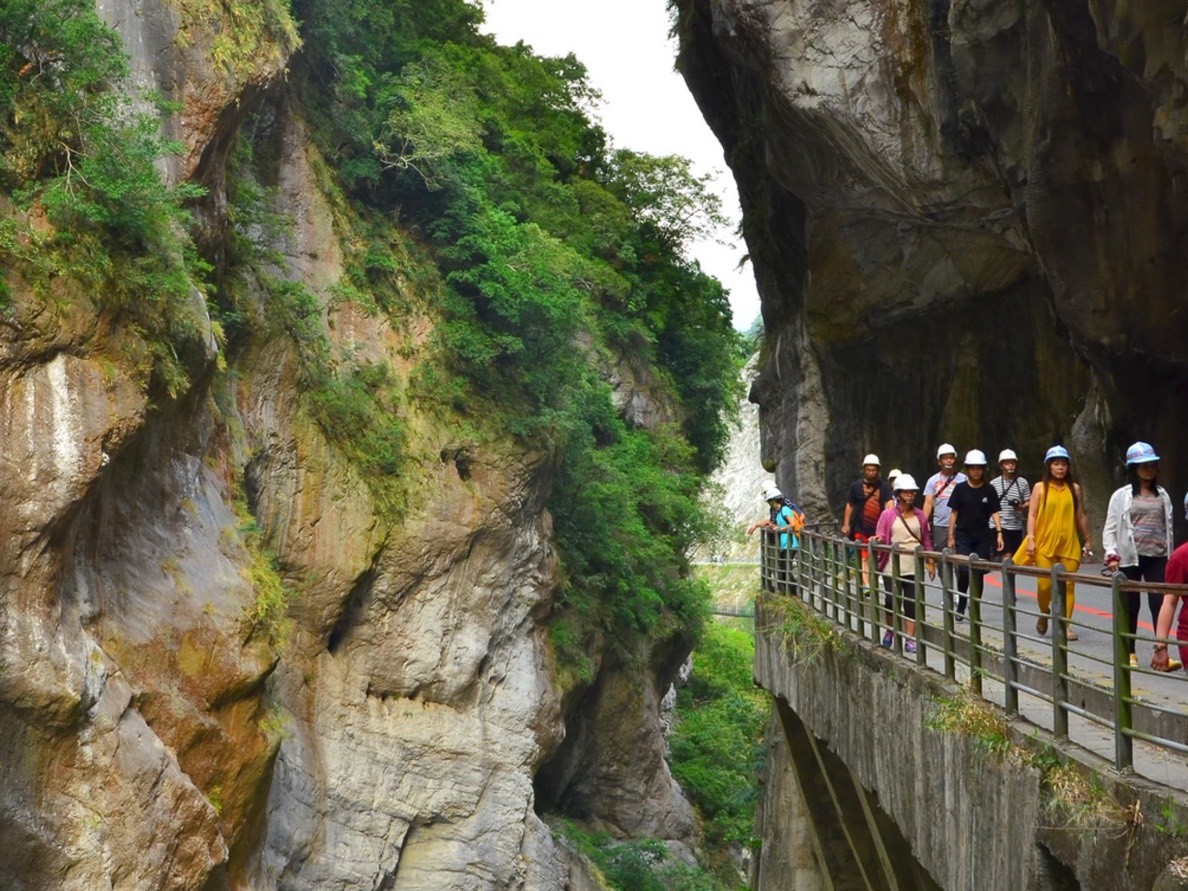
(1072, 635)
(1041, 625)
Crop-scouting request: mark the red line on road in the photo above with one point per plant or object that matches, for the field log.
(1146, 626)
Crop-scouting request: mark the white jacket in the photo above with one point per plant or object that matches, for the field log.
(1117, 536)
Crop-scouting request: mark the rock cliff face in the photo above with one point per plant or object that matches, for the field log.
(165, 726)
(966, 219)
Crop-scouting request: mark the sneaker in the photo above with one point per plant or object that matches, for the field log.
(888, 639)
(959, 617)
(1133, 661)
(910, 647)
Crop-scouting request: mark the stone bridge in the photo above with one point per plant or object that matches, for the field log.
(991, 758)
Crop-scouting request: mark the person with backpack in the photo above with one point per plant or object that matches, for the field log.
(1137, 536)
(785, 519)
(866, 501)
(905, 527)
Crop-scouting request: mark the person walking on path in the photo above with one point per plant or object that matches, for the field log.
(905, 527)
(867, 499)
(786, 519)
(938, 490)
(1176, 573)
(1137, 537)
(1056, 515)
(974, 526)
(1013, 494)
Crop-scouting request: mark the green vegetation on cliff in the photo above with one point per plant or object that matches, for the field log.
(84, 209)
(559, 256)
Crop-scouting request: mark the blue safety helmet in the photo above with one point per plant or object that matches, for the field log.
(1057, 452)
(1141, 453)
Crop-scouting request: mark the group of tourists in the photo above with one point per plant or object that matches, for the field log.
(1041, 525)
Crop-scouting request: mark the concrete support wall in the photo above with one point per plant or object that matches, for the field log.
(896, 804)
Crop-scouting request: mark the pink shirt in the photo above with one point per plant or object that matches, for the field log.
(885, 531)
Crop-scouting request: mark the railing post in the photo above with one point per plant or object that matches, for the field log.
(846, 574)
(1123, 709)
(1010, 640)
(872, 592)
(765, 569)
(918, 594)
(800, 563)
(1059, 655)
(820, 581)
(947, 614)
(853, 577)
(835, 579)
(815, 576)
(803, 575)
(896, 603)
(975, 627)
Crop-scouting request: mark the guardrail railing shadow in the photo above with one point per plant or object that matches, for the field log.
(840, 579)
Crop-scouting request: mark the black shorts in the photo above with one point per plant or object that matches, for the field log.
(907, 588)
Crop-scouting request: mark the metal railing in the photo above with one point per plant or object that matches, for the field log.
(840, 579)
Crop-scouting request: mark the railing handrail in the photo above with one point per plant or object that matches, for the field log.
(849, 599)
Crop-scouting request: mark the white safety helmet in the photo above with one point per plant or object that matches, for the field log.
(975, 458)
(1141, 453)
(905, 482)
(771, 493)
(871, 459)
(893, 474)
(1007, 455)
(946, 449)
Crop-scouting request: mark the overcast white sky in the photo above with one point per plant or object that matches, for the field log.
(624, 45)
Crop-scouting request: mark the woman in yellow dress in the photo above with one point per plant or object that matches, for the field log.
(1055, 516)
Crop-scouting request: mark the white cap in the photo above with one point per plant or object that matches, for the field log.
(1007, 455)
(975, 458)
(771, 493)
(946, 449)
(906, 482)
(871, 459)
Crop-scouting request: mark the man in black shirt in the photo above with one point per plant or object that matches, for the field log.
(974, 505)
